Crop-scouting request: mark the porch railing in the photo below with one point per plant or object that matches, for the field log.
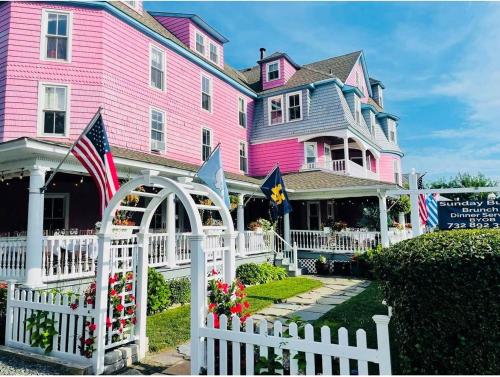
(332, 165)
(12, 257)
(255, 243)
(337, 242)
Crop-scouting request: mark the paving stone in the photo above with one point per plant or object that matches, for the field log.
(288, 305)
(182, 368)
(306, 315)
(274, 311)
(165, 358)
(112, 357)
(332, 300)
(185, 350)
(319, 308)
(300, 300)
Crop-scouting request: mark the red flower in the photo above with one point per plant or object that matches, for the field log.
(224, 287)
(211, 307)
(89, 341)
(90, 300)
(216, 321)
(123, 322)
(113, 279)
(92, 326)
(134, 320)
(246, 304)
(241, 286)
(132, 297)
(92, 286)
(130, 276)
(112, 292)
(129, 287)
(119, 307)
(214, 271)
(236, 309)
(130, 311)
(120, 330)
(74, 306)
(108, 322)
(244, 318)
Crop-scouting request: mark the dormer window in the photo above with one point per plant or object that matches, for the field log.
(273, 71)
(275, 105)
(200, 43)
(214, 53)
(380, 97)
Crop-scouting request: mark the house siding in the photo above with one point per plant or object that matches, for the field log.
(180, 27)
(4, 42)
(387, 167)
(112, 69)
(286, 71)
(289, 154)
(351, 80)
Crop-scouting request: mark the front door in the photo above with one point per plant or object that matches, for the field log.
(313, 216)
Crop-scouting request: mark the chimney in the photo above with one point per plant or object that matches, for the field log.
(262, 53)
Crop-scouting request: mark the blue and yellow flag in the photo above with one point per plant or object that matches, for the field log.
(274, 189)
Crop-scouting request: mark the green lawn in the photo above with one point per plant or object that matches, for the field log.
(357, 313)
(171, 328)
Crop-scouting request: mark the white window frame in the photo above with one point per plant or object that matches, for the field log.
(380, 96)
(164, 62)
(65, 196)
(245, 145)
(211, 90)
(372, 123)
(210, 45)
(391, 128)
(41, 102)
(164, 131)
(396, 171)
(288, 95)
(197, 33)
(240, 100)
(43, 35)
(267, 70)
(315, 145)
(269, 109)
(357, 109)
(211, 142)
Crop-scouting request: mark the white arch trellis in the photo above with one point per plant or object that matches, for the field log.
(124, 253)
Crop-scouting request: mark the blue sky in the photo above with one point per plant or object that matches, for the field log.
(440, 63)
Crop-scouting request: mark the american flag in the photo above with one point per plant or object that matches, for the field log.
(422, 205)
(92, 150)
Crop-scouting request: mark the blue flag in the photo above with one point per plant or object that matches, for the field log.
(274, 189)
(212, 174)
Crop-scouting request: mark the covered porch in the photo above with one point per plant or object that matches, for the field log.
(341, 152)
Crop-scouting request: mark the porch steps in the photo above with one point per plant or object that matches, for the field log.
(289, 267)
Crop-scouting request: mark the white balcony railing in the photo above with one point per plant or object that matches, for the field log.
(337, 242)
(339, 166)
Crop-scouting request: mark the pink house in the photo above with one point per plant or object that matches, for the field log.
(169, 97)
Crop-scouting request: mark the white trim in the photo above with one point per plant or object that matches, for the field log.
(196, 34)
(163, 112)
(65, 196)
(43, 34)
(211, 86)
(134, 7)
(244, 109)
(239, 155)
(315, 145)
(267, 70)
(164, 55)
(41, 101)
(288, 95)
(318, 203)
(211, 141)
(283, 109)
(210, 44)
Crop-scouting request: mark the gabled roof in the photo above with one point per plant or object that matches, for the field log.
(339, 66)
(277, 55)
(376, 82)
(198, 21)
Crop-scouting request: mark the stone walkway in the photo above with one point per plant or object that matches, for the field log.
(308, 306)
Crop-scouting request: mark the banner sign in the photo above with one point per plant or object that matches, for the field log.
(469, 214)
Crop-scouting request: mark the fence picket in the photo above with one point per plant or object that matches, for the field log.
(22, 323)
(223, 347)
(344, 362)
(326, 359)
(64, 324)
(361, 343)
(309, 335)
(249, 365)
(15, 326)
(236, 347)
(294, 363)
(278, 351)
(210, 348)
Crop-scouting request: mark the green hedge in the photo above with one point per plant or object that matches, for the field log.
(444, 288)
(180, 290)
(158, 292)
(253, 273)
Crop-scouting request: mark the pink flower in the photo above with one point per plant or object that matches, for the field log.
(211, 307)
(89, 341)
(214, 271)
(236, 309)
(108, 322)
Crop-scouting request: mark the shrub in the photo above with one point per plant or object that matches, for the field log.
(180, 290)
(158, 292)
(444, 288)
(253, 273)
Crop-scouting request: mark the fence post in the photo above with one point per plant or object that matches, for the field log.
(384, 231)
(198, 300)
(384, 349)
(295, 256)
(171, 243)
(415, 218)
(240, 224)
(101, 303)
(142, 291)
(9, 311)
(241, 244)
(229, 257)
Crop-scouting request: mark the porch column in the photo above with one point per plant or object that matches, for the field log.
(346, 155)
(401, 219)
(384, 230)
(415, 219)
(240, 224)
(34, 234)
(171, 230)
(286, 228)
(363, 156)
(142, 292)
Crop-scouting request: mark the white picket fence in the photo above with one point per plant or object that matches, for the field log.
(337, 242)
(70, 323)
(334, 357)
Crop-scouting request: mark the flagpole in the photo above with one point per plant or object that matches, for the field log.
(92, 121)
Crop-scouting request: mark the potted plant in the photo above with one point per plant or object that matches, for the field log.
(339, 226)
(322, 266)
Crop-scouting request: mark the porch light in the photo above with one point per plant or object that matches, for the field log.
(2, 178)
(22, 174)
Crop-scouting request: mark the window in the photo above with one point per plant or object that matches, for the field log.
(397, 172)
(311, 153)
(329, 209)
(54, 112)
(294, 102)
(380, 96)
(206, 93)
(157, 130)
(357, 109)
(275, 110)
(243, 157)
(392, 131)
(157, 68)
(55, 210)
(56, 42)
(242, 112)
(372, 123)
(328, 153)
(206, 143)
(200, 43)
(214, 53)
(273, 71)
